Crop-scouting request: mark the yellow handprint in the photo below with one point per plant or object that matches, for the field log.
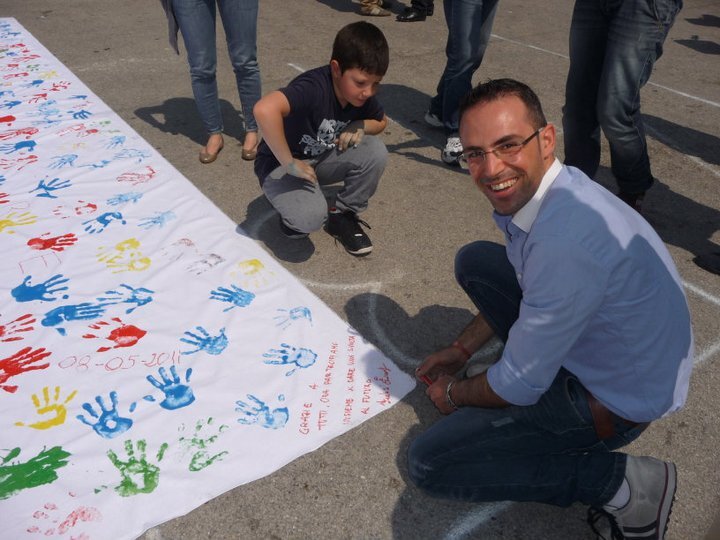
(49, 406)
(125, 257)
(12, 220)
(252, 273)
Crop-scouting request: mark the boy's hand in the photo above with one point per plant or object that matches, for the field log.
(301, 169)
(351, 136)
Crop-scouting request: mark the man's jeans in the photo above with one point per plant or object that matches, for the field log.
(547, 452)
(196, 19)
(469, 25)
(613, 46)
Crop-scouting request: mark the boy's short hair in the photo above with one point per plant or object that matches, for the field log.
(500, 88)
(361, 45)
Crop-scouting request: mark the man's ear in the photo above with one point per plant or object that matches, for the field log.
(547, 140)
(335, 69)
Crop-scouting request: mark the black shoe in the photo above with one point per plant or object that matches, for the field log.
(634, 200)
(709, 262)
(411, 15)
(345, 226)
(291, 233)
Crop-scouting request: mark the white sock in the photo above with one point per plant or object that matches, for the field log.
(620, 499)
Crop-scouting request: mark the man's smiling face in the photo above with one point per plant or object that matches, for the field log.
(508, 183)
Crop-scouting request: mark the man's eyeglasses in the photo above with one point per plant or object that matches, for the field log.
(502, 151)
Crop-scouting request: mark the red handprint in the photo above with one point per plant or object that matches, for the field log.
(7, 119)
(4, 198)
(21, 324)
(125, 335)
(24, 360)
(55, 243)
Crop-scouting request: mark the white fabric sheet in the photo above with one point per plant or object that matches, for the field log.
(151, 357)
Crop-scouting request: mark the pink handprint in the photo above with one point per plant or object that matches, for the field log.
(21, 324)
(55, 243)
(124, 335)
(24, 360)
(4, 198)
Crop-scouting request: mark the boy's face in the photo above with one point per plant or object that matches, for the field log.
(354, 86)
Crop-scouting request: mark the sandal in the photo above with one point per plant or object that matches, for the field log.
(374, 11)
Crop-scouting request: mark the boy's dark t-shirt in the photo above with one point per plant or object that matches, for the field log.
(315, 120)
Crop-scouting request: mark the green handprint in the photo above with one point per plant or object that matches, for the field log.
(201, 457)
(37, 471)
(138, 476)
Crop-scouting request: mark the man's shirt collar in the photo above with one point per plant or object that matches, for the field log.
(525, 217)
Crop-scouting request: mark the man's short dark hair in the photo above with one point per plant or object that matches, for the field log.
(361, 45)
(500, 88)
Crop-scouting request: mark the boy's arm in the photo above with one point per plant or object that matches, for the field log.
(269, 113)
(354, 131)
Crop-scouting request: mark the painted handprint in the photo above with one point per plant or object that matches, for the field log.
(203, 341)
(24, 360)
(37, 471)
(286, 355)
(204, 263)
(123, 335)
(45, 291)
(48, 517)
(158, 220)
(46, 187)
(79, 312)
(106, 421)
(50, 407)
(257, 412)
(124, 198)
(252, 273)
(82, 208)
(135, 178)
(132, 153)
(54, 243)
(199, 445)
(178, 249)
(234, 295)
(287, 316)
(138, 475)
(61, 161)
(125, 294)
(114, 142)
(100, 223)
(10, 148)
(9, 332)
(11, 221)
(126, 256)
(177, 394)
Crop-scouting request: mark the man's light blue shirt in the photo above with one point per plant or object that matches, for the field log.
(601, 298)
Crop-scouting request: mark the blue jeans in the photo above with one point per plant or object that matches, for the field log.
(613, 47)
(547, 452)
(196, 19)
(469, 25)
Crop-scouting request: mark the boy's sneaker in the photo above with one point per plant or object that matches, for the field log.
(345, 226)
(433, 120)
(452, 151)
(652, 492)
(291, 233)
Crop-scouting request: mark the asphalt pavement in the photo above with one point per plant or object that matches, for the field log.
(403, 296)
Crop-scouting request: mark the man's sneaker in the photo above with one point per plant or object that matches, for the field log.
(652, 492)
(291, 233)
(345, 226)
(433, 120)
(452, 151)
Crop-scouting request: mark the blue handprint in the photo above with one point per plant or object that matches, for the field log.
(99, 164)
(48, 187)
(177, 395)
(235, 296)
(203, 341)
(114, 142)
(126, 294)
(100, 223)
(45, 291)
(10, 104)
(258, 412)
(108, 422)
(79, 312)
(61, 161)
(124, 198)
(158, 220)
(10, 148)
(82, 114)
(302, 358)
(293, 314)
(132, 153)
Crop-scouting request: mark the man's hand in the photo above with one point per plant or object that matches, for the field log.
(351, 136)
(301, 169)
(437, 392)
(447, 361)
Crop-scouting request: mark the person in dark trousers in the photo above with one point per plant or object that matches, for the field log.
(418, 11)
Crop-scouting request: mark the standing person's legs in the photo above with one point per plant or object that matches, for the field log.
(581, 128)
(196, 19)
(635, 39)
(239, 19)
